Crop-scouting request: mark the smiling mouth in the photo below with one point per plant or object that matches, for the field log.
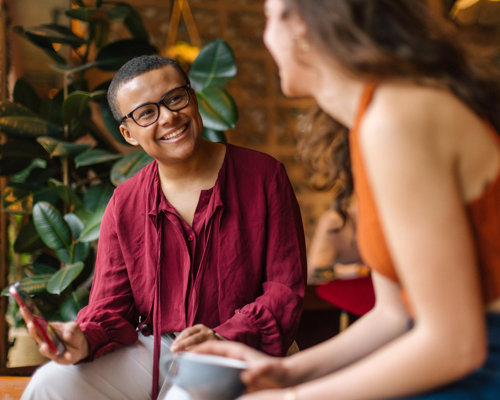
(174, 134)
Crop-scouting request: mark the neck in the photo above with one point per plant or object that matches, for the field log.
(194, 169)
(338, 94)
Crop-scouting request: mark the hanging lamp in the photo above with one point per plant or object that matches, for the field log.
(485, 13)
(182, 51)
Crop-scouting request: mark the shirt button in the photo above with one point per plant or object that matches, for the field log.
(190, 238)
(204, 200)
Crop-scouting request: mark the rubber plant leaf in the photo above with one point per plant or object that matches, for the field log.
(214, 66)
(214, 136)
(59, 148)
(91, 230)
(97, 196)
(28, 240)
(63, 278)
(85, 13)
(19, 121)
(217, 108)
(70, 307)
(26, 95)
(17, 156)
(51, 226)
(66, 194)
(74, 223)
(114, 55)
(75, 106)
(128, 166)
(95, 156)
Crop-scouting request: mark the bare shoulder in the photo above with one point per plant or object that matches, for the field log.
(413, 116)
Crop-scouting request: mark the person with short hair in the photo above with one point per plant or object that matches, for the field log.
(204, 243)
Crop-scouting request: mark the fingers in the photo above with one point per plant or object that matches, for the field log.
(192, 336)
(70, 333)
(229, 349)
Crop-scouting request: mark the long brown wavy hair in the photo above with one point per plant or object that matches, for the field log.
(388, 39)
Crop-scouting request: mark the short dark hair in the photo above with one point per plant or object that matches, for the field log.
(133, 68)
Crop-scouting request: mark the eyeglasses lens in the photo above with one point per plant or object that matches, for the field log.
(148, 114)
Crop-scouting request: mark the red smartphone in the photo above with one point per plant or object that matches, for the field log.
(44, 330)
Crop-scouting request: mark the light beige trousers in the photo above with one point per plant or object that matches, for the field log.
(123, 374)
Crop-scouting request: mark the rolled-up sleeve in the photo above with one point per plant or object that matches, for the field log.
(108, 320)
(269, 323)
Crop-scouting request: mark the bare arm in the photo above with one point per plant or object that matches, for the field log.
(414, 179)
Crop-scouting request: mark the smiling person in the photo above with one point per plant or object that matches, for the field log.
(419, 120)
(205, 243)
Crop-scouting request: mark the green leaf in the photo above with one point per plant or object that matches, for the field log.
(64, 255)
(214, 136)
(91, 230)
(74, 224)
(84, 13)
(95, 156)
(46, 193)
(74, 303)
(58, 148)
(28, 127)
(26, 95)
(111, 124)
(55, 33)
(63, 278)
(214, 66)
(118, 12)
(42, 40)
(10, 109)
(75, 106)
(128, 166)
(66, 194)
(17, 156)
(36, 269)
(27, 240)
(35, 284)
(51, 226)
(37, 163)
(81, 251)
(217, 108)
(114, 55)
(134, 23)
(97, 196)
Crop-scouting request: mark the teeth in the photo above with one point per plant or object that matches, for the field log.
(174, 134)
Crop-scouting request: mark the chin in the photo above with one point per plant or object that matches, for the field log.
(291, 90)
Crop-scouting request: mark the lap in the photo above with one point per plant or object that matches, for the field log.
(123, 374)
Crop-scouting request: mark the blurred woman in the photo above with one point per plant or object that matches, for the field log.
(423, 116)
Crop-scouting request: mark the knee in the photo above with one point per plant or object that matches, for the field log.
(48, 382)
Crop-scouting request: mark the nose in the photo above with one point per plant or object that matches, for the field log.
(166, 115)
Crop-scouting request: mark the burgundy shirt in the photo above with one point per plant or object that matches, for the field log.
(239, 269)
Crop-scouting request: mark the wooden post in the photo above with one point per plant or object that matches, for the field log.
(4, 265)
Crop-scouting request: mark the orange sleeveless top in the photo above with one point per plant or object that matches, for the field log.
(483, 212)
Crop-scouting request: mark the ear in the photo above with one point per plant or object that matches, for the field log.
(127, 135)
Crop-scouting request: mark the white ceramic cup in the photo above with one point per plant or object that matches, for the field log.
(204, 376)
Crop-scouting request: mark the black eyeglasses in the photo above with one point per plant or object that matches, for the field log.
(147, 114)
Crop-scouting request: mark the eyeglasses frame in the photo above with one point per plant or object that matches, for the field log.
(186, 87)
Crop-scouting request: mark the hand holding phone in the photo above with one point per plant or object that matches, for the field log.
(31, 311)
